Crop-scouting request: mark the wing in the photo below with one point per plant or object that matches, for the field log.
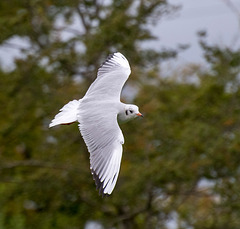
(111, 77)
(104, 140)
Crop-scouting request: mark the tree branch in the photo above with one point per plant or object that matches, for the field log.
(35, 163)
(82, 17)
(131, 215)
(234, 9)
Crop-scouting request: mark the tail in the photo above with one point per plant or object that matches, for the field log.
(67, 114)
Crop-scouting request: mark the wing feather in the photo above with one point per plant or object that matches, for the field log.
(104, 140)
(111, 77)
(98, 121)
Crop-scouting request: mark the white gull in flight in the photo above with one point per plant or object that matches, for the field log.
(98, 113)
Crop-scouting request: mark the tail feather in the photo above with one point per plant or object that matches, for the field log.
(67, 114)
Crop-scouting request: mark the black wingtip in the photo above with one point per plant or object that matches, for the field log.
(110, 56)
(99, 184)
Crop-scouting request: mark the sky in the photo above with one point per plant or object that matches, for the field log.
(220, 21)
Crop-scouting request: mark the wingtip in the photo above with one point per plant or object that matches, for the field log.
(119, 54)
(52, 124)
(99, 185)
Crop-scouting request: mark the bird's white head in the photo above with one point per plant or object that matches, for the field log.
(130, 112)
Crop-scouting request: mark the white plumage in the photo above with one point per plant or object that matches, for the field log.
(97, 113)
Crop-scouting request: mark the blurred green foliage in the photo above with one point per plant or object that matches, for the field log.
(180, 163)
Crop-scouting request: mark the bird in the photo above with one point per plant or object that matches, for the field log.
(98, 114)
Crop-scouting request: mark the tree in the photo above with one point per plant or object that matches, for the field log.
(191, 145)
(180, 162)
(45, 184)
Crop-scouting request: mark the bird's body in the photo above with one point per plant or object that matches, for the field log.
(97, 113)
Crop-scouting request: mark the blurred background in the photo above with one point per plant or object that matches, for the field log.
(181, 163)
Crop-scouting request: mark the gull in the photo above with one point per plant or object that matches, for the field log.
(98, 114)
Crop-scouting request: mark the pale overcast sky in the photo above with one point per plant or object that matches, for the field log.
(214, 16)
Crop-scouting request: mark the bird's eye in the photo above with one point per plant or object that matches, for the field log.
(131, 111)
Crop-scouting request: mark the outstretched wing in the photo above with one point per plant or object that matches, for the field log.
(104, 139)
(111, 77)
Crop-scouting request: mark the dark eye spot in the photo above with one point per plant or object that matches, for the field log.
(126, 112)
(131, 111)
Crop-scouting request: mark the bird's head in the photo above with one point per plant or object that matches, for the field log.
(132, 111)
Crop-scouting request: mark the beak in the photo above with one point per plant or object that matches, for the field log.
(139, 114)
